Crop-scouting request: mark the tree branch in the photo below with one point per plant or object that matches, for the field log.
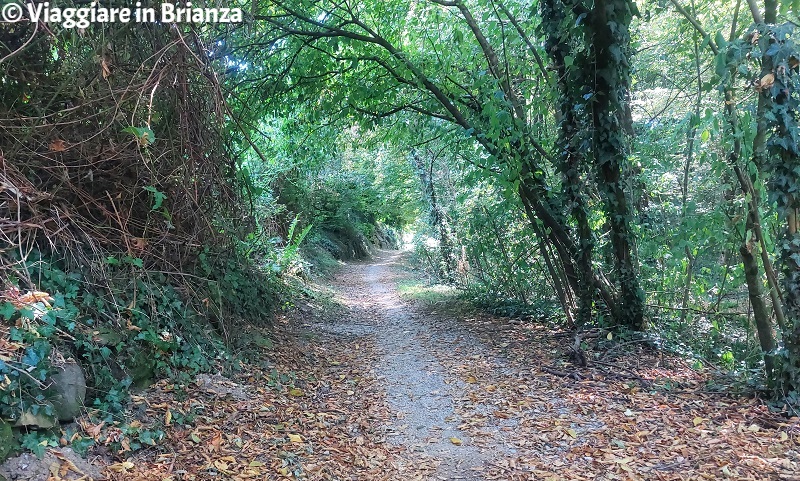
(690, 18)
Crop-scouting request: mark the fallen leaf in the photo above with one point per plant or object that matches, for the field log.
(456, 441)
(123, 467)
(58, 145)
(139, 243)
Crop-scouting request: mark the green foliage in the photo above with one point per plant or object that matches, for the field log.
(158, 197)
(144, 135)
(140, 329)
(351, 195)
(22, 378)
(289, 253)
(38, 442)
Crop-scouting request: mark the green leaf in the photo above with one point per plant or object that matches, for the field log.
(721, 64)
(720, 41)
(158, 197)
(144, 135)
(31, 357)
(7, 310)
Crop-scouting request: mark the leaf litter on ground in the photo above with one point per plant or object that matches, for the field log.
(313, 408)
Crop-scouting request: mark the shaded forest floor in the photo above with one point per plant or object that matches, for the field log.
(368, 386)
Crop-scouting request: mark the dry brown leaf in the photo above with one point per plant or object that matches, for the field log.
(58, 145)
(105, 67)
(766, 81)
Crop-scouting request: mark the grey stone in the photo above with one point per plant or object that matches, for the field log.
(67, 391)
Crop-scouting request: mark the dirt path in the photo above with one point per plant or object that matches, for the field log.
(421, 392)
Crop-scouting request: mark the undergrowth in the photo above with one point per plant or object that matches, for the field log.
(126, 328)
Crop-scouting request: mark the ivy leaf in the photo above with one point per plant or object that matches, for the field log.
(31, 357)
(721, 64)
(773, 49)
(144, 135)
(720, 41)
(7, 310)
(158, 197)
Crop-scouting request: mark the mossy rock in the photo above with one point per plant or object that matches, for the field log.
(6, 441)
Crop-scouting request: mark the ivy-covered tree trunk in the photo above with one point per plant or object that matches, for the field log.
(569, 154)
(784, 187)
(753, 232)
(608, 24)
(783, 87)
(438, 219)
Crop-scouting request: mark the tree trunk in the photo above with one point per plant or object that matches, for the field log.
(760, 310)
(691, 135)
(559, 286)
(610, 21)
(437, 218)
(571, 159)
(780, 101)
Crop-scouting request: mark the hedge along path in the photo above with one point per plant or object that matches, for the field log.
(384, 389)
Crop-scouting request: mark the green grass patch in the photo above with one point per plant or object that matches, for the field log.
(418, 290)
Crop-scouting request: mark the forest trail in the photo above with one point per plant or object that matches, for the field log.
(420, 390)
(363, 384)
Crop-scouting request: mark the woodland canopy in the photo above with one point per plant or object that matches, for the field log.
(626, 165)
